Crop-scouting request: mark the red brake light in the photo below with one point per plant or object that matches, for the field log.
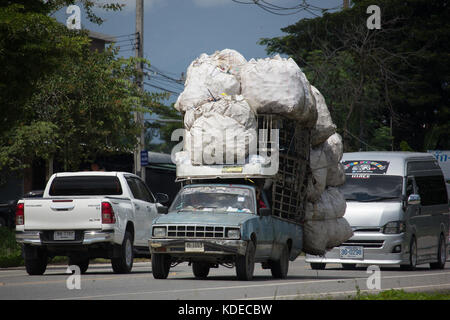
(20, 216)
(108, 216)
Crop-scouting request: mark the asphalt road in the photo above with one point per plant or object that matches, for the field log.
(302, 283)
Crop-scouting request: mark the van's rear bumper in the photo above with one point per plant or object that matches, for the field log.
(88, 237)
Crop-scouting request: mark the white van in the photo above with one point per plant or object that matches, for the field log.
(398, 208)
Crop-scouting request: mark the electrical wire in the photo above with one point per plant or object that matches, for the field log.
(285, 11)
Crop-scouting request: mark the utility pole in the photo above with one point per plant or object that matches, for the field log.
(138, 116)
(346, 4)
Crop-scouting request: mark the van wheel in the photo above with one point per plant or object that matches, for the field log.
(81, 262)
(160, 265)
(200, 269)
(35, 261)
(412, 256)
(318, 266)
(245, 264)
(441, 256)
(280, 267)
(124, 263)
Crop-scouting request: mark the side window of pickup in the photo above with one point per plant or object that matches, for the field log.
(146, 195)
(133, 187)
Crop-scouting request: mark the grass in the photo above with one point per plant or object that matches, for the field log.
(10, 251)
(394, 294)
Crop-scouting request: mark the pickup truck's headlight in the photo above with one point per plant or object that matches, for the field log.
(233, 233)
(159, 231)
(394, 227)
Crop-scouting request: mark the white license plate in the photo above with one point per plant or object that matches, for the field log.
(194, 247)
(351, 252)
(64, 235)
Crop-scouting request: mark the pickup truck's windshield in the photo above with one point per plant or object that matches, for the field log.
(369, 187)
(85, 186)
(214, 198)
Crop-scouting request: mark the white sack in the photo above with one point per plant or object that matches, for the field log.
(324, 162)
(324, 127)
(208, 77)
(335, 175)
(225, 131)
(331, 205)
(278, 86)
(320, 236)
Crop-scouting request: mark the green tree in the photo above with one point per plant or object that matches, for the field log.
(372, 78)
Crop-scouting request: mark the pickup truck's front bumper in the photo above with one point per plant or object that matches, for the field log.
(210, 246)
(89, 237)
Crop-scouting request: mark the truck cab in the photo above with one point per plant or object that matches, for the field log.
(212, 224)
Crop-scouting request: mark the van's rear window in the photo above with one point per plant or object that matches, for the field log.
(85, 186)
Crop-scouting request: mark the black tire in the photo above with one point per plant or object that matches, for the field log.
(36, 260)
(245, 264)
(441, 255)
(160, 265)
(349, 266)
(124, 263)
(411, 266)
(280, 268)
(318, 266)
(200, 269)
(81, 262)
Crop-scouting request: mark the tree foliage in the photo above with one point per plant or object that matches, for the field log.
(58, 98)
(372, 80)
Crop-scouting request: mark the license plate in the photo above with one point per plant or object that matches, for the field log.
(194, 247)
(64, 235)
(351, 252)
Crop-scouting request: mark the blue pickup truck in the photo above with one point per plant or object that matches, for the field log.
(212, 224)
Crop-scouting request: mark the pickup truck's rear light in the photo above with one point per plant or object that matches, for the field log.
(108, 216)
(20, 216)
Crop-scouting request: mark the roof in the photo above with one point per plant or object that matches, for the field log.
(101, 36)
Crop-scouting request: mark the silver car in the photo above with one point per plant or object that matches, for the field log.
(398, 208)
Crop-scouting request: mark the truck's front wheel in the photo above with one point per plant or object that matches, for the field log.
(160, 265)
(81, 262)
(35, 260)
(124, 262)
(245, 265)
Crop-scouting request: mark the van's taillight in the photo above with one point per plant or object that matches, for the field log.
(107, 213)
(20, 217)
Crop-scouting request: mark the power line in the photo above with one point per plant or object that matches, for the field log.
(285, 11)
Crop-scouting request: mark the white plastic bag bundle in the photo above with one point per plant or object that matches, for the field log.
(222, 132)
(324, 127)
(278, 86)
(319, 236)
(331, 205)
(208, 77)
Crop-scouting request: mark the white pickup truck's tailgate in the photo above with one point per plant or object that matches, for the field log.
(61, 214)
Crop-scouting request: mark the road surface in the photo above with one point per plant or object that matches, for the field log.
(302, 283)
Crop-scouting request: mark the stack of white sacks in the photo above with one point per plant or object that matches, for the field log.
(222, 96)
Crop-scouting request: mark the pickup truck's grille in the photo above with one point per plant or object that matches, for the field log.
(181, 231)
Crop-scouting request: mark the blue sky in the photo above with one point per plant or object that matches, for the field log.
(178, 31)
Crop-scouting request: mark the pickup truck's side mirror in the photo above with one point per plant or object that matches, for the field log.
(413, 199)
(161, 198)
(265, 212)
(162, 209)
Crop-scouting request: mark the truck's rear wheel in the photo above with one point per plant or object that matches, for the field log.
(279, 268)
(200, 269)
(35, 260)
(160, 265)
(81, 262)
(124, 263)
(245, 264)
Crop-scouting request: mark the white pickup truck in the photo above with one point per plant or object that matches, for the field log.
(86, 215)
